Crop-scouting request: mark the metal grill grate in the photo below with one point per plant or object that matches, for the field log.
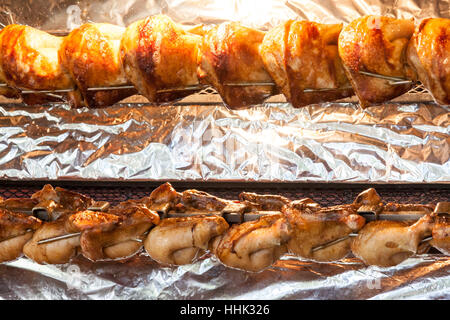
(326, 195)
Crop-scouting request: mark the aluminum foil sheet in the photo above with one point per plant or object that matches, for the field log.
(424, 277)
(336, 142)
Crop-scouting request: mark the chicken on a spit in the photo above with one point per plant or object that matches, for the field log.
(429, 56)
(229, 56)
(377, 45)
(303, 55)
(91, 55)
(15, 230)
(157, 55)
(182, 240)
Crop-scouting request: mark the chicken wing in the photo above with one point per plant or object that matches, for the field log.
(230, 54)
(388, 243)
(313, 226)
(303, 55)
(254, 245)
(158, 54)
(182, 240)
(15, 230)
(29, 60)
(377, 45)
(429, 55)
(91, 55)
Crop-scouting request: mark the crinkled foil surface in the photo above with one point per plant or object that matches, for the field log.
(334, 142)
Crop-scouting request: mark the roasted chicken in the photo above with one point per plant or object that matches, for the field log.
(378, 45)
(57, 252)
(313, 226)
(441, 234)
(29, 60)
(157, 55)
(15, 230)
(254, 245)
(117, 234)
(388, 243)
(182, 240)
(261, 202)
(303, 55)
(91, 55)
(229, 55)
(429, 56)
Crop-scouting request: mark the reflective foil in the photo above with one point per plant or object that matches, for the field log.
(335, 142)
(404, 142)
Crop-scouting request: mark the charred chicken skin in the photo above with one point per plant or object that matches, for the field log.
(15, 230)
(91, 55)
(254, 245)
(429, 56)
(158, 54)
(378, 45)
(303, 55)
(230, 54)
(182, 240)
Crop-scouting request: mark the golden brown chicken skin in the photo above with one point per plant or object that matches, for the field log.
(429, 56)
(303, 55)
(378, 45)
(388, 243)
(182, 240)
(230, 54)
(441, 234)
(313, 226)
(15, 230)
(91, 55)
(117, 234)
(254, 245)
(159, 54)
(29, 60)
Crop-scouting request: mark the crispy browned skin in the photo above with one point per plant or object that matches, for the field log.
(378, 45)
(117, 234)
(264, 202)
(387, 243)
(29, 60)
(182, 240)
(57, 252)
(15, 230)
(229, 54)
(254, 245)
(159, 54)
(429, 55)
(304, 55)
(313, 226)
(441, 234)
(58, 200)
(91, 55)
